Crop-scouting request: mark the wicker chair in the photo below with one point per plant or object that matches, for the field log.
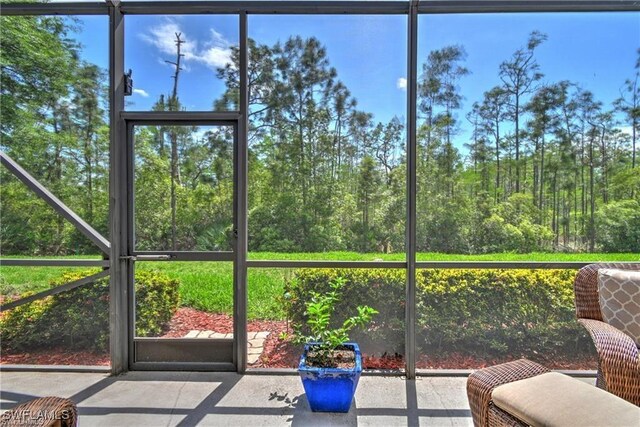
(44, 411)
(523, 393)
(618, 359)
(481, 384)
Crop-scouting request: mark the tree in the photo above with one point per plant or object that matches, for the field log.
(301, 90)
(438, 88)
(510, 226)
(542, 107)
(368, 182)
(386, 144)
(36, 62)
(260, 71)
(629, 105)
(479, 149)
(89, 120)
(174, 105)
(493, 112)
(546, 165)
(590, 111)
(343, 105)
(518, 76)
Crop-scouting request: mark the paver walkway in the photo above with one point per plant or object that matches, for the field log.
(256, 341)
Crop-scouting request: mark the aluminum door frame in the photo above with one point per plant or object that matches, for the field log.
(230, 351)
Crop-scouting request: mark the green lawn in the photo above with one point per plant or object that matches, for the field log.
(209, 285)
(431, 256)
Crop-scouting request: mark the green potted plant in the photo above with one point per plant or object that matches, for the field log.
(330, 365)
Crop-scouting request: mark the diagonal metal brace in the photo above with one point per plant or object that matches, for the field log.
(55, 203)
(53, 291)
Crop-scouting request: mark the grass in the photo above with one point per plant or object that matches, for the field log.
(433, 256)
(208, 286)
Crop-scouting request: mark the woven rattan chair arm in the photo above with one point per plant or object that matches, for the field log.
(618, 357)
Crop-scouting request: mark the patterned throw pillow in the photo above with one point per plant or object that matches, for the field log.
(619, 292)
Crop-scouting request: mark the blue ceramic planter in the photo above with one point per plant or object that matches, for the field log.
(330, 389)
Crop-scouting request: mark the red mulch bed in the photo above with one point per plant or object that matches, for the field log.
(55, 356)
(277, 353)
(189, 319)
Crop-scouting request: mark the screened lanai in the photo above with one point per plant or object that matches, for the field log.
(178, 178)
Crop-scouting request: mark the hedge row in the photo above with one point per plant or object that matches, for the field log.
(79, 318)
(485, 313)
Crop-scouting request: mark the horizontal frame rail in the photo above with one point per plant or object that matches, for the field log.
(325, 264)
(321, 7)
(265, 7)
(374, 7)
(46, 195)
(15, 262)
(54, 291)
(183, 256)
(497, 6)
(67, 8)
(227, 117)
(526, 265)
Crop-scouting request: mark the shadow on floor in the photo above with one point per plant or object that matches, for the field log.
(272, 399)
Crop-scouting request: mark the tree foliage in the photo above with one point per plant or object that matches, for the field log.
(547, 166)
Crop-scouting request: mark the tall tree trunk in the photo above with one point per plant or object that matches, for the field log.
(173, 135)
(497, 190)
(89, 172)
(592, 200)
(575, 204)
(541, 203)
(536, 175)
(517, 123)
(583, 185)
(605, 184)
(554, 210)
(634, 125)
(55, 177)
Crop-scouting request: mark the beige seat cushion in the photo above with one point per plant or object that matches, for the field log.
(553, 399)
(619, 292)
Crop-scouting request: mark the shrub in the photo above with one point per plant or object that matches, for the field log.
(79, 318)
(486, 313)
(22, 326)
(497, 312)
(326, 340)
(618, 226)
(382, 289)
(157, 300)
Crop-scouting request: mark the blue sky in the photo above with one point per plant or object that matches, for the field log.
(596, 50)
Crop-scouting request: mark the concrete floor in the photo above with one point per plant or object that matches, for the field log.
(228, 399)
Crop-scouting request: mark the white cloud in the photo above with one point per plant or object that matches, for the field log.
(216, 51)
(401, 83)
(163, 37)
(213, 52)
(141, 92)
(217, 38)
(215, 57)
